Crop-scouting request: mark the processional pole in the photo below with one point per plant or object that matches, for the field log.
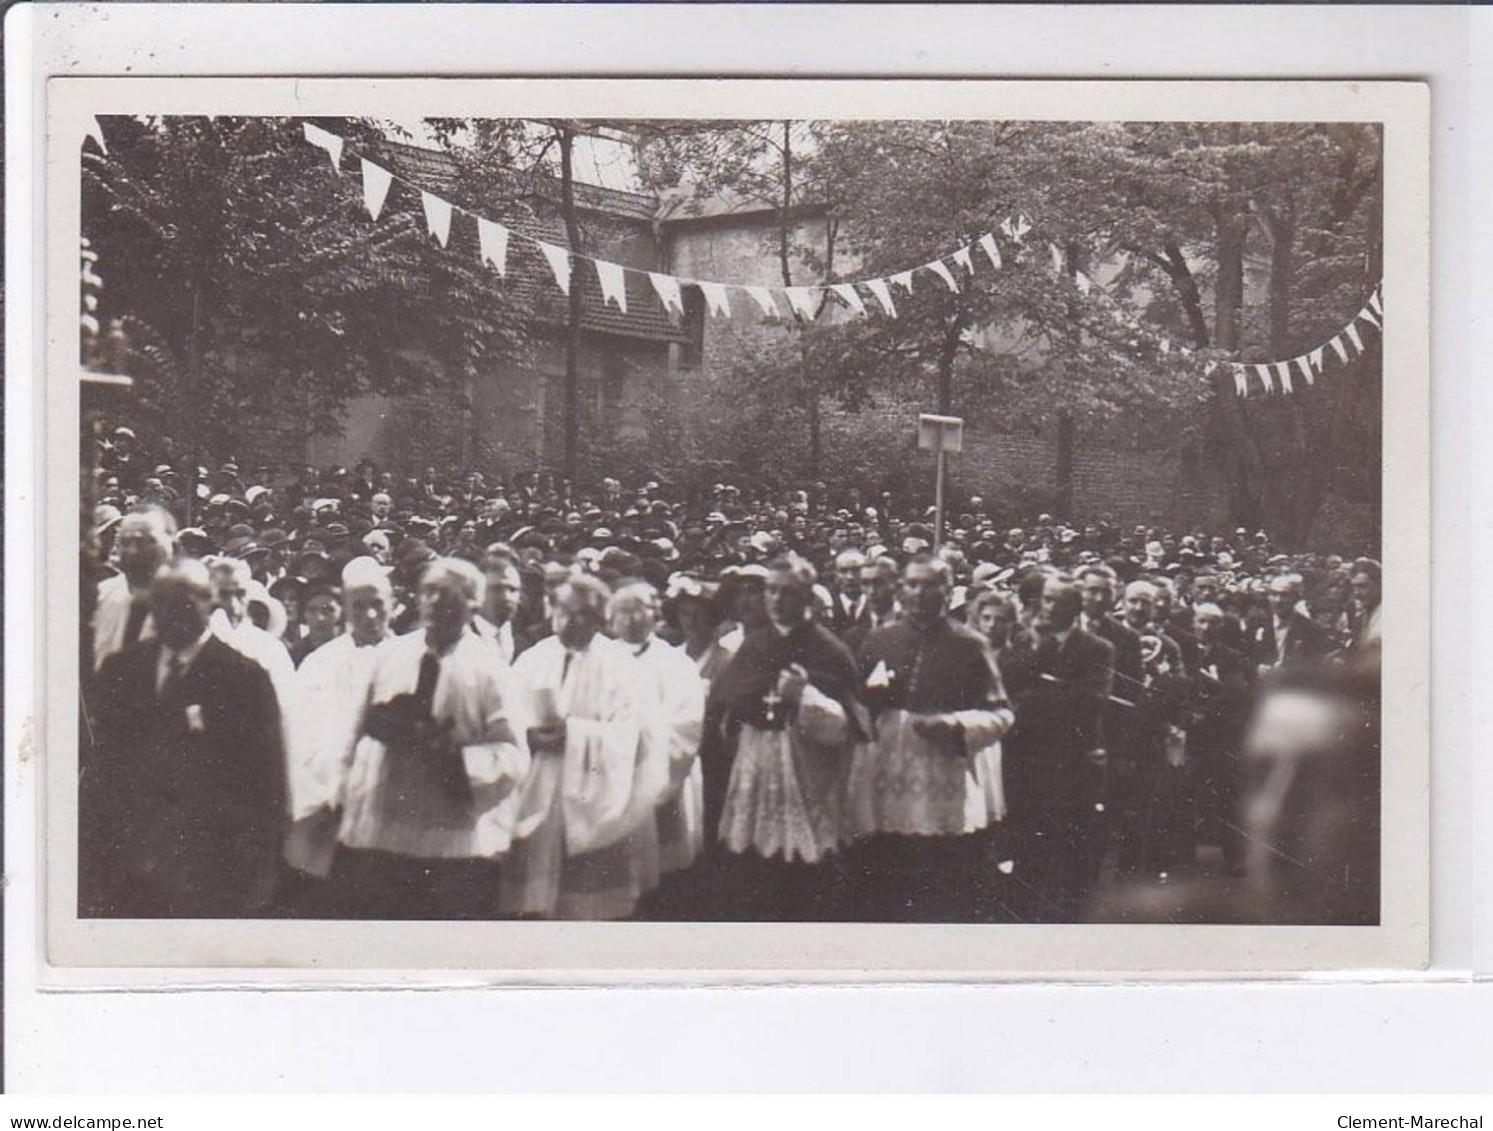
(940, 434)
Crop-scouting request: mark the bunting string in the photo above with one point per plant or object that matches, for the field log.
(803, 301)
(495, 240)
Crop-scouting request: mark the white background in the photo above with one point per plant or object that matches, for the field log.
(1350, 1036)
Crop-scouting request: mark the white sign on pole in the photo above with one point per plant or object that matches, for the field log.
(940, 433)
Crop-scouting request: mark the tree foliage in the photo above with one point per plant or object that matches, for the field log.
(252, 284)
(1239, 240)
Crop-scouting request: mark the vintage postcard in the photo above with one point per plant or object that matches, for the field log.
(565, 530)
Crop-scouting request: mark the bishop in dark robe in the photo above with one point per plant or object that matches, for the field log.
(786, 711)
(923, 787)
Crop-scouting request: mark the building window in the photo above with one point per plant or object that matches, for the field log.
(613, 384)
(692, 352)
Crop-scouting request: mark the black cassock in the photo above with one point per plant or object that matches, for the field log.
(182, 804)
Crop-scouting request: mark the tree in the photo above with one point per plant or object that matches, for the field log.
(256, 290)
(1015, 348)
(1257, 241)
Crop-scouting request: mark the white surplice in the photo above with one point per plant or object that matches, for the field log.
(586, 824)
(331, 687)
(473, 697)
(786, 793)
(674, 695)
(901, 782)
(111, 616)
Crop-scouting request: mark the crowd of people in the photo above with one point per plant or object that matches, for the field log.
(348, 693)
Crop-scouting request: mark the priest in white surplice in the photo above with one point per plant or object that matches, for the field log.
(431, 797)
(674, 696)
(589, 843)
(331, 689)
(122, 615)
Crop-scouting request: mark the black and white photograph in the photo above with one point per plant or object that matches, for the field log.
(744, 522)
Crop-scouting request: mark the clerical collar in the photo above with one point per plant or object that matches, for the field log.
(639, 649)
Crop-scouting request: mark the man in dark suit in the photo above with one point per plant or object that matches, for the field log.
(1097, 584)
(1122, 725)
(1219, 711)
(1059, 679)
(847, 601)
(182, 807)
(880, 579)
(1291, 638)
(496, 620)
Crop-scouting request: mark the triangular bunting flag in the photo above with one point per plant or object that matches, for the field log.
(1339, 349)
(851, 296)
(96, 131)
(801, 299)
(1283, 371)
(437, 216)
(559, 261)
(904, 280)
(1085, 284)
(883, 295)
(1241, 381)
(939, 268)
(1315, 358)
(763, 298)
(1376, 300)
(1016, 227)
(715, 298)
(1263, 371)
(613, 284)
(328, 141)
(493, 241)
(1368, 316)
(988, 244)
(962, 258)
(1357, 340)
(1057, 259)
(375, 187)
(668, 291)
(1306, 369)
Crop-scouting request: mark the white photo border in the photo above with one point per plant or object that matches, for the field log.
(116, 953)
